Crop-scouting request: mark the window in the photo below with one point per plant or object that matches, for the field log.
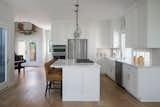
(50, 46)
(22, 48)
(116, 39)
(3, 34)
(146, 55)
(126, 53)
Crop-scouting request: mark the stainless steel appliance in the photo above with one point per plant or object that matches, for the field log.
(119, 71)
(59, 51)
(77, 48)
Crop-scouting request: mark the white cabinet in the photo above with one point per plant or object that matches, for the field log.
(142, 24)
(81, 83)
(111, 71)
(104, 37)
(91, 87)
(131, 27)
(142, 82)
(72, 81)
(107, 67)
(104, 65)
(125, 77)
(130, 79)
(109, 34)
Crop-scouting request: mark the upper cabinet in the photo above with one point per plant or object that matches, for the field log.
(109, 33)
(143, 25)
(104, 38)
(115, 32)
(131, 27)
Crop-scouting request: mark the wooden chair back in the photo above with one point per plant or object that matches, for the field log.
(47, 67)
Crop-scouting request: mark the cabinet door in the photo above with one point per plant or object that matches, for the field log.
(104, 39)
(72, 84)
(104, 65)
(130, 79)
(125, 77)
(112, 71)
(133, 82)
(131, 28)
(91, 82)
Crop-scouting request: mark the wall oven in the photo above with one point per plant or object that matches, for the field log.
(59, 51)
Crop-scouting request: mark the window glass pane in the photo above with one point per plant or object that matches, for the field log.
(2, 54)
(22, 48)
(115, 39)
(145, 54)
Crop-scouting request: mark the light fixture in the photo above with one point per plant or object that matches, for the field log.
(77, 31)
(25, 28)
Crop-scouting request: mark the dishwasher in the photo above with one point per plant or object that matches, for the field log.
(119, 73)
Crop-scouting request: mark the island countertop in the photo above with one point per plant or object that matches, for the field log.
(72, 62)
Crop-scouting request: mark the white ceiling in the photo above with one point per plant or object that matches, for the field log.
(43, 12)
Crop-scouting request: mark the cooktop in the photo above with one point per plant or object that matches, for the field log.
(84, 61)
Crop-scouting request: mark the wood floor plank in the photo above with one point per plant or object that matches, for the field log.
(30, 89)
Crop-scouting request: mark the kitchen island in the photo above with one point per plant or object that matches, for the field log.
(81, 81)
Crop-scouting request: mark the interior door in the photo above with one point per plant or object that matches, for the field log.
(3, 58)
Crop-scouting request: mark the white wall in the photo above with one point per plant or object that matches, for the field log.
(63, 30)
(6, 19)
(37, 36)
(97, 32)
(46, 37)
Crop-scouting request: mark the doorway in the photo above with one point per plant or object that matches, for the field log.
(28, 48)
(3, 57)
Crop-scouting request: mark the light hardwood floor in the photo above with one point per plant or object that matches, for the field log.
(30, 88)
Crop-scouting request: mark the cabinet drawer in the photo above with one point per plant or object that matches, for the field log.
(127, 67)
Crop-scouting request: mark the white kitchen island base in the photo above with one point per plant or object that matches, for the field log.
(81, 82)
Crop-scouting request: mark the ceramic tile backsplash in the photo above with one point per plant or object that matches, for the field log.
(103, 52)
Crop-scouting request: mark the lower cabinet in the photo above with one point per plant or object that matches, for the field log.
(107, 67)
(91, 84)
(130, 82)
(142, 82)
(110, 71)
(81, 83)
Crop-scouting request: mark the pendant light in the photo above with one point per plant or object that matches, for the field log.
(77, 31)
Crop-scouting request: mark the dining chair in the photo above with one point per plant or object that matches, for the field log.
(53, 77)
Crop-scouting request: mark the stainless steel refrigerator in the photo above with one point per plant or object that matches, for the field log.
(77, 48)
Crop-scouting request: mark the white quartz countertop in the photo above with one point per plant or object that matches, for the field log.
(71, 62)
(135, 65)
